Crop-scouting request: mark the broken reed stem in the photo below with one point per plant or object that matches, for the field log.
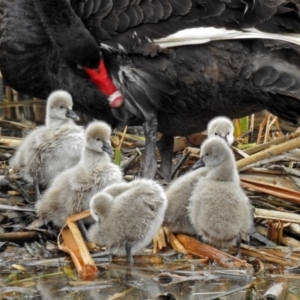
(295, 228)
(191, 150)
(265, 256)
(276, 215)
(176, 245)
(264, 146)
(24, 236)
(159, 241)
(83, 250)
(271, 189)
(276, 150)
(122, 138)
(277, 291)
(74, 244)
(289, 241)
(284, 240)
(199, 249)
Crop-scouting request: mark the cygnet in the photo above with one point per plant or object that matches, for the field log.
(51, 148)
(219, 210)
(71, 190)
(127, 222)
(222, 127)
(180, 190)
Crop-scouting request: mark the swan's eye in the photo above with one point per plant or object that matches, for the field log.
(216, 133)
(207, 154)
(228, 133)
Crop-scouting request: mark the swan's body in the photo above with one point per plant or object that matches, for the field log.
(176, 90)
(219, 209)
(52, 148)
(71, 191)
(180, 190)
(128, 220)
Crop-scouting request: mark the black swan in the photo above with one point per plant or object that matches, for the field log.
(170, 84)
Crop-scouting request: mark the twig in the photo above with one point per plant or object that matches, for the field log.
(180, 163)
(271, 189)
(23, 236)
(264, 146)
(276, 150)
(276, 215)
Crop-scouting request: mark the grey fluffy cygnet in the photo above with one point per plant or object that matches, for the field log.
(128, 219)
(222, 127)
(219, 210)
(52, 148)
(71, 190)
(180, 190)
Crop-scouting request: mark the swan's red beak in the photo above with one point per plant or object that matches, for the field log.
(102, 80)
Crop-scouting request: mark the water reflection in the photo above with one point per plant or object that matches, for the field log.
(116, 281)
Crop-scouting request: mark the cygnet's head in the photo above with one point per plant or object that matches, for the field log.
(213, 152)
(98, 137)
(59, 106)
(222, 127)
(100, 205)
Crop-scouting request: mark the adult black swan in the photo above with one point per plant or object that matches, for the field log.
(174, 84)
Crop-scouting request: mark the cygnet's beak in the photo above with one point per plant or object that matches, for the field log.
(199, 164)
(107, 148)
(70, 114)
(224, 138)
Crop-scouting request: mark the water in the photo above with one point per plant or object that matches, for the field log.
(138, 282)
(117, 281)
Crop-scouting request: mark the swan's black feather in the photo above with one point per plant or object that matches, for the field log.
(42, 42)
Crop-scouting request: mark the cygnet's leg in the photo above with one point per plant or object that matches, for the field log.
(248, 238)
(82, 229)
(129, 257)
(199, 237)
(150, 130)
(165, 146)
(37, 189)
(238, 245)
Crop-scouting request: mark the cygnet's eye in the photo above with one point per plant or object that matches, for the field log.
(98, 139)
(228, 133)
(207, 154)
(216, 133)
(61, 107)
